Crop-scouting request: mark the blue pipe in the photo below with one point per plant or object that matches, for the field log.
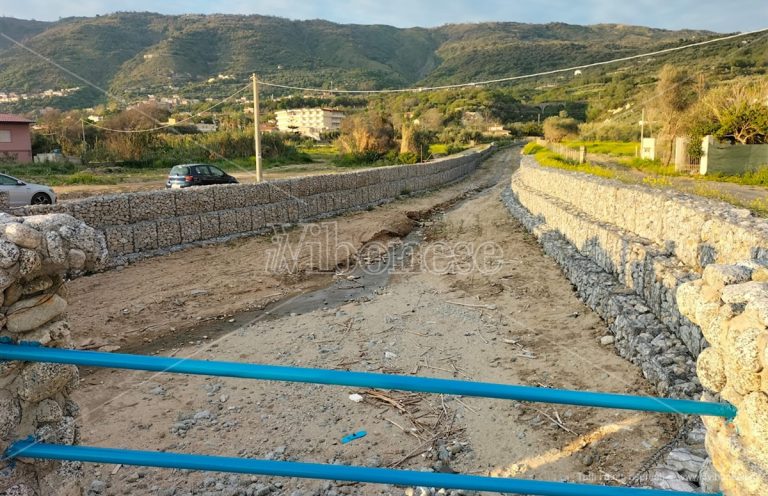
(30, 449)
(364, 379)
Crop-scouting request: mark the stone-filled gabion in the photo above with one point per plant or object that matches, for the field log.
(664, 270)
(639, 335)
(37, 254)
(730, 304)
(696, 230)
(146, 223)
(651, 270)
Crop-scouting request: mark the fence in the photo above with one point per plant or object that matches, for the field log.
(731, 160)
(31, 448)
(683, 161)
(575, 155)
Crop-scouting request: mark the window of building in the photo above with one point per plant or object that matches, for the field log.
(5, 136)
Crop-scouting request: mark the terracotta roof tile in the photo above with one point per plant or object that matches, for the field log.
(13, 118)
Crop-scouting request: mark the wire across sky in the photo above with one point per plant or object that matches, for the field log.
(515, 78)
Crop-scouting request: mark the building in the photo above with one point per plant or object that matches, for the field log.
(15, 138)
(205, 127)
(309, 121)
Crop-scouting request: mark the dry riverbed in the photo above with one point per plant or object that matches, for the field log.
(507, 315)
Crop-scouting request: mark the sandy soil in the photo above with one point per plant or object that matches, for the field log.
(517, 320)
(167, 295)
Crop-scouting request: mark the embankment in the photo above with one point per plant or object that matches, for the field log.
(681, 281)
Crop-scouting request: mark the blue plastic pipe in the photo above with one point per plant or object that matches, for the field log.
(364, 379)
(30, 449)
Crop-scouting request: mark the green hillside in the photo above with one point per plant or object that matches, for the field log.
(133, 54)
(19, 30)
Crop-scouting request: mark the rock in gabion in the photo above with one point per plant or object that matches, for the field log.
(635, 254)
(733, 367)
(136, 225)
(37, 254)
(639, 335)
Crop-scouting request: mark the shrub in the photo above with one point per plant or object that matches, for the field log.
(609, 131)
(558, 128)
(532, 148)
(407, 158)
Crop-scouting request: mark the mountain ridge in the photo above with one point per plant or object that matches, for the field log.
(133, 53)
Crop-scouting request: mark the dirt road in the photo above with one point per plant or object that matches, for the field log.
(475, 299)
(754, 198)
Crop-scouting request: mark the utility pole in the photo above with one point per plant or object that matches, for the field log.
(256, 137)
(642, 127)
(85, 145)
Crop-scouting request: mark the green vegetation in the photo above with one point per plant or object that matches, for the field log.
(532, 148)
(140, 53)
(613, 148)
(653, 167)
(548, 158)
(319, 151)
(757, 177)
(20, 30)
(441, 149)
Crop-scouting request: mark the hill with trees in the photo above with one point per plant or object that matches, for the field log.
(132, 54)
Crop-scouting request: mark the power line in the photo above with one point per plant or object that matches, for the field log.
(639, 108)
(166, 126)
(514, 78)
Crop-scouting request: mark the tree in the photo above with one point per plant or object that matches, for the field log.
(740, 111)
(674, 95)
(365, 133)
(431, 120)
(737, 112)
(558, 128)
(63, 130)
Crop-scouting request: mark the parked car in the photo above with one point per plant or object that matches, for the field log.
(21, 193)
(186, 175)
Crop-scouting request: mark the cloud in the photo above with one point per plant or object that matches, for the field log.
(697, 14)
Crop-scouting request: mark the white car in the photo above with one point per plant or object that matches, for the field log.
(21, 193)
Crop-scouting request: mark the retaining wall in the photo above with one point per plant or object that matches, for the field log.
(607, 221)
(142, 224)
(37, 254)
(730, 304)
(637, 255)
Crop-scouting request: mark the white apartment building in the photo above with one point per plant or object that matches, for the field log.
(309, 121)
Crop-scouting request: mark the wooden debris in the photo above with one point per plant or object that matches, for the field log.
(472, 305)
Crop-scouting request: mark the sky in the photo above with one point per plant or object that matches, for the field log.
(670, 14)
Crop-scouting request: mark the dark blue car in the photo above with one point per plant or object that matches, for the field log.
(186, 175)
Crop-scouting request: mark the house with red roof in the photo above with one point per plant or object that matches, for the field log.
(15, 138)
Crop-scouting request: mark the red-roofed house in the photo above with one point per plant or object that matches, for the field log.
(15, 138)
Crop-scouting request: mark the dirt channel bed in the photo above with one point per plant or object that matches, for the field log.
(508, 315)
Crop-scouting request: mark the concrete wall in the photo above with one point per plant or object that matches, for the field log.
(637, 255)
(731, 160)
(143, 224)
(37, 254)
